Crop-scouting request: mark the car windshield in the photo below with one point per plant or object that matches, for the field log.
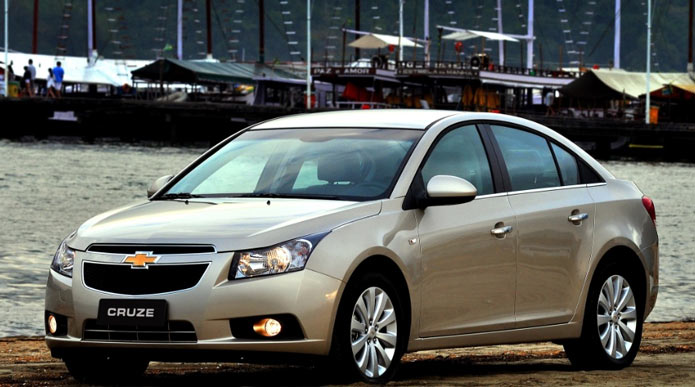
(342, 164)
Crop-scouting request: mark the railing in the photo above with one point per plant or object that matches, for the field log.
(465, 68)
(436, 68)
(352, 105)
(423, 68)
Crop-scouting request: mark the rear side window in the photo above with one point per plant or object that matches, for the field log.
(568, 166)
(528, 159)
(460, 153)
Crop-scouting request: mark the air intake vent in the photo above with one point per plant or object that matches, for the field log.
(155, 249)
(122, 279)
(174, 332)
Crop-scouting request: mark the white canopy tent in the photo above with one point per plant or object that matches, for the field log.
(373, 41)
(472, 34)
(77, 69)
(618, 83)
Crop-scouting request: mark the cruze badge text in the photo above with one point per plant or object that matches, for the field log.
(141, 259)
(130, 312)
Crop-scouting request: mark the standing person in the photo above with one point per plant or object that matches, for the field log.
(26, 82)
(549, 101)
(58, 74)
(50, 84)
(11, 71)
(32, 69)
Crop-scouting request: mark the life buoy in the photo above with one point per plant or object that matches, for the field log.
(475, 62)
(376, 62)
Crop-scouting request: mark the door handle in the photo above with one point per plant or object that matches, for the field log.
(500, 232)
(577, 218)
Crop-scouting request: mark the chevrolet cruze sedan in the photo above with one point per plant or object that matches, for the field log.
(359, 236)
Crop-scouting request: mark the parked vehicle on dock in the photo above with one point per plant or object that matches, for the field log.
(359, 236)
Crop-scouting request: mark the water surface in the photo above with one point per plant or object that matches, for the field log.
(48, 189)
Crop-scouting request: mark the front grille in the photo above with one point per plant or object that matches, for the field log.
(154, 249)
(122, 279)
(174, 332)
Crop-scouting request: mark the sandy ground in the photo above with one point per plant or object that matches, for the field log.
(667, 357)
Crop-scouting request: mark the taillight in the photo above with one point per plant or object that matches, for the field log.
(649, 206)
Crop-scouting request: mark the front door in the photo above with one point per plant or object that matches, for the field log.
(469, 274)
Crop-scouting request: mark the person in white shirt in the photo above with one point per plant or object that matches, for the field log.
(32, 70)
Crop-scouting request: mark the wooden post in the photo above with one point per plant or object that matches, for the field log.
(344, 43)
(560, 60)
(357, 26)
(439, 53)
(208, 21)
(690, 36)
(261, 31)
(34, 38)
(179, 29)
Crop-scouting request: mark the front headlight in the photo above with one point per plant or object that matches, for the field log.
(283, 258)
(63, 260)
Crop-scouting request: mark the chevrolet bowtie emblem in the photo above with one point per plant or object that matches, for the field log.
(141, 259)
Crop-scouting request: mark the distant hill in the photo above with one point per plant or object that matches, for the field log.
(139, 29)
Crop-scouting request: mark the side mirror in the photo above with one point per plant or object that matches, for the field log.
(446, 190)
(158, 184)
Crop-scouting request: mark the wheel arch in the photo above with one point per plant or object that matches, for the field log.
(632, 261)
(617, 251)
(386, 266)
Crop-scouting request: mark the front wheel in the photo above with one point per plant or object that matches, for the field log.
(371, 331)
(612, 329)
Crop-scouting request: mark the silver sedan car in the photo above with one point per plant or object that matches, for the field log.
(358, 236)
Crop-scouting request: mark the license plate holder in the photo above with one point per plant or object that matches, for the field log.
(144, 313)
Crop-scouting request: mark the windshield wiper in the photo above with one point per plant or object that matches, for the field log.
(179, 195)
(286, 196)
(258, 195)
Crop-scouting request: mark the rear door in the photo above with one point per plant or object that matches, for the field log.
(555, 216)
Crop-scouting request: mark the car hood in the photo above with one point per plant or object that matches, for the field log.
(228, 224)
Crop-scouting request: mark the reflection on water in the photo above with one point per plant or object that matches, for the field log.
(48, 189)
(671, 186)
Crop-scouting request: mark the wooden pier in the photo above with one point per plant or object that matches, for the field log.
(95, 119)
(205, 123)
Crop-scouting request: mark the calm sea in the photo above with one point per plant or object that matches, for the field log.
(48, 189)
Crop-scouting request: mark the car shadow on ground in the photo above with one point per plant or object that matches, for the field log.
(425, 371)
(432, 369)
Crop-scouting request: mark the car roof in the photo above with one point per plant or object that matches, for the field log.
(372, 118)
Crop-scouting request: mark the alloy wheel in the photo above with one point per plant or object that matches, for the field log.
(373, 332)
(616, 317)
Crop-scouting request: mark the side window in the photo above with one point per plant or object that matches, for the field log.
(527, 156)
(568, 166)
(460, 153)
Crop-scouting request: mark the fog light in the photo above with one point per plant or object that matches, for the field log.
(52, 324)
(267, 327)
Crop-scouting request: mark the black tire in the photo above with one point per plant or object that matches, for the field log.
(105, 369)
(588, 351)
(341, 348)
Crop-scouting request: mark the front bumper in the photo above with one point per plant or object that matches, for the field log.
(307, 295)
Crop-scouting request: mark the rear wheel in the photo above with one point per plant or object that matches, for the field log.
(102, 368)
(371, 331)
(612, 329)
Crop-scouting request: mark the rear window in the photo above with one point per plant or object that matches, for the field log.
(528, 159)
(568, 166)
